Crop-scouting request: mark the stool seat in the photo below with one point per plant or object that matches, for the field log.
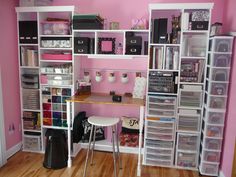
(103, 121)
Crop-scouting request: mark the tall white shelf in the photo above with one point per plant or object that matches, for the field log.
(31, 141)
(174, 117)
(215, 103)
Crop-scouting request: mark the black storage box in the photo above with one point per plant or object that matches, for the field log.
(28, 32)
(82, 45)
(133, 45)
(87, 22)
(200, 25)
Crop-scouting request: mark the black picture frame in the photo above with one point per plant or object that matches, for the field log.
(100, 43)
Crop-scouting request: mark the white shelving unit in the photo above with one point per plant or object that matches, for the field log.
(215, 103)
(169, 83)
(51, 112)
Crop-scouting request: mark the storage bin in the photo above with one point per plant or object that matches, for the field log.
(214, 144)
(52, 56)
(190, 98)
(219, 88)
(158, 151)
(29, 3)
(158, 162)
(47, 114)
(56, 107)
(160, 112)
(59, 80)
(47, 121)
(56, 115)
(219, 60)
(221, 44)
(217, 102)
(57, 122)
(56, 42)
(56, 99)
(32, 143)
(214, 131)
(47, 106)
(218, 74)
(159, 144)
(163, 124)
(215, 118)
(187, 142)
(211, 156)
(160, 106)
(55, 28)
(159, 130)
(158, 157)
(162, 100)
(209, 168)
(188, 160)
(156, 136)
(189, 122)
(30, 99)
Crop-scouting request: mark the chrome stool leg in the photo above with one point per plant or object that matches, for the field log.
(113, 146)
(118, 150)
(86, 162)
(94, 135)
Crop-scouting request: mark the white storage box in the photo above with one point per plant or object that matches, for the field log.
(188, 122)
(211, 156)
(216, 74)
(158, 151)
(163, 100)
(214, 131)
(221, 44)
(159, 144)
(32, 143)
(160, 124)
(218, 88)
(48, 42)
(216, 102)
(187, 160)
(187, 142)
(59, 80)
(190, 98)
(214, 144)
(215, 118)
(209, 168)
(156, 162)
(28, 3)
(219, 60)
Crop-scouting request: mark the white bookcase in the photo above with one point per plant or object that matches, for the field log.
(176, 83)
(215, 103)
(44, 83)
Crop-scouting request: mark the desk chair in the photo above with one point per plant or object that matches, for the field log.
(103, 122)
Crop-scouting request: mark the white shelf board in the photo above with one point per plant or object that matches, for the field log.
(217, 67)
(46, 9)
(195, 31)
(55, 127)
(30, 130)
(56, 73)
(44, 35)
(158, 93)
(45, 48)
(194, 58)
(226, 82)
(29, 67)
(57, 61)
(105, 145)
(189, 107)
(191, 83)
(164, 70)
(111, 31)
(60, 86)
(211, 52)
(32, 110)
(20, 44)
(111, 56)
(162, 45)
(180, 6)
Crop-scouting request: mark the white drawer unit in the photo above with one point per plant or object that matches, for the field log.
(214, 117)
(161, 106)
(210, 169)
(219, 59)
(188, 142)
(158, 144)
(221, 44)
(216, 88)
(32, 143)
(190, 98)
(186, 160)
(188, 122)
(214, 131)
(211, 156)
(215, 102)
(212, 144)
(218, 74)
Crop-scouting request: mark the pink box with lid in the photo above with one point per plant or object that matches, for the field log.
(50, 56)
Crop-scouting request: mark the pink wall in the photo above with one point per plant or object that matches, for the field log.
(230, 131)
(124, 11)
(9, 67)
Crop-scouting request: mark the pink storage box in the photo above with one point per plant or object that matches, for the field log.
(55, 27)
(50, 56)
(43, 79)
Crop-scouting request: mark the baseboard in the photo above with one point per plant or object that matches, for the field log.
(14, 149)
(221, 174)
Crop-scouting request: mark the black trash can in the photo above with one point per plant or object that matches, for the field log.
(56, 153)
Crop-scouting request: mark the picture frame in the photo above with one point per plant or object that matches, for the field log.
(106, 45)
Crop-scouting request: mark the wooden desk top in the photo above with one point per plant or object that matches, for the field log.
(102, 98)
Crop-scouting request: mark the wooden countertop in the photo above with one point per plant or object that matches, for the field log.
(102, 98)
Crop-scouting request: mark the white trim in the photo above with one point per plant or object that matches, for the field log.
(180, 6)
(221, 174)
(46, 9)
(13, 150)
(232, 33)
(3, 158)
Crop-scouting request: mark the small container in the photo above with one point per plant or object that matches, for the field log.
(119, 49)
(216, 29)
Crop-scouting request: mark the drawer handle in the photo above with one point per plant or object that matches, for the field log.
(80, 42)
(133, 50)
(133, 41)
(200, 26)
(80, 50)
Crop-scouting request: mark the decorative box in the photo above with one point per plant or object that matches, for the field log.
(56, 42)
(200, 20)
(82, 45)
(28, 32)
(139, 23)
(133, 45)
(90, 21)
(28, 3)
(55, 27)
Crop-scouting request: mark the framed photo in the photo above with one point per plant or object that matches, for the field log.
(106, 45)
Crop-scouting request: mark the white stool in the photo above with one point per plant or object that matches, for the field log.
(103, 122)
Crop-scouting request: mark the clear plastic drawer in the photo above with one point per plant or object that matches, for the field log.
(211, 156)
(219, 60)
(221, 44)
(216, 74)
(190, 98)
(189, 122)
(214, 144)
(209, 168)
(159, 144)
(187, 142)
(188, 160)
(219, 88)
(216, 102)
(215, 117)
(214, 131)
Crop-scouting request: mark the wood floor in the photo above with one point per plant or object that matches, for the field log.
(24, 164)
